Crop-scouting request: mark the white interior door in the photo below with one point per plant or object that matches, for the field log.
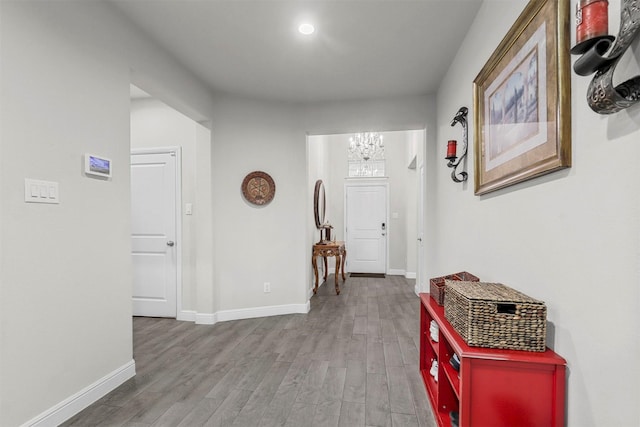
(366, 228)
(153, 233)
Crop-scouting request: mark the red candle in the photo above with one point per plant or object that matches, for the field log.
(592, 19)
(451, 149)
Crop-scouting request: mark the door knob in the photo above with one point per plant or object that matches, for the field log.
(419, 239)
(170, 243)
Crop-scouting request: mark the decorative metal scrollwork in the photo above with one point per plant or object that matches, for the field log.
(460, 117)
(603, 57)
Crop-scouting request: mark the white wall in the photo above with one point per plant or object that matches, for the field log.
(64, 323)
(415, 141)
(318, 168)
(402, 201)
(258, 244)
(388, 114)
(570, 238)
(65, 270)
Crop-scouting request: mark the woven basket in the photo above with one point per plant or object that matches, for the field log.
(495, 316)
(436, 285)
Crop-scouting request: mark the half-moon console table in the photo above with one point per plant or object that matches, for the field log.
(336, 249)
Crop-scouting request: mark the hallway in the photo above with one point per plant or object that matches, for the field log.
(351, 361)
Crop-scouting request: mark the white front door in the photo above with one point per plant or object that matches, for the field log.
(366, 227)
(153, 233)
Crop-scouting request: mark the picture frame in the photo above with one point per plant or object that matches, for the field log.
(522, 100)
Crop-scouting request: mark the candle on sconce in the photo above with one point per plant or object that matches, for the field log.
(451, 149)
(592, 19)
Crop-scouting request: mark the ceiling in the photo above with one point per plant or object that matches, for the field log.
(361, 49)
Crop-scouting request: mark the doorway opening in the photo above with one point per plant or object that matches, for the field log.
(328, 160)
(158, 129)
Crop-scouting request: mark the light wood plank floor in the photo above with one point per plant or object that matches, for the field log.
(351, 361)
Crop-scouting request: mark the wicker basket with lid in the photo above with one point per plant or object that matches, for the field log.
(496, 316)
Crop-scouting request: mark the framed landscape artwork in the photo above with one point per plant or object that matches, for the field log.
(522, 100)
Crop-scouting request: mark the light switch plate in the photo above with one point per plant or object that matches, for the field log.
(38, 191)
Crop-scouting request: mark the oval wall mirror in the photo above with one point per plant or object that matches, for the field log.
(319, 204)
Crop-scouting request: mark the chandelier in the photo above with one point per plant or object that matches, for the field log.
(366, 146)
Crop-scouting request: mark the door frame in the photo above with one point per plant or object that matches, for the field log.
(369, 182)
(421, 264)
(177, 152)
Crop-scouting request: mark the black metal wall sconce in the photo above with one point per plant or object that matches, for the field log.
(600, 53)
(454, 160)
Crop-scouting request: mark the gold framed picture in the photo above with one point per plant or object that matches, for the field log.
(522, 100)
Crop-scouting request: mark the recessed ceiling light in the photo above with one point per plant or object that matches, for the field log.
(306, 29)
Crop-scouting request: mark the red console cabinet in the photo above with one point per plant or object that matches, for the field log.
(493, 388)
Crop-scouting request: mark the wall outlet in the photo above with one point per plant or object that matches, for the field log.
(267, 287)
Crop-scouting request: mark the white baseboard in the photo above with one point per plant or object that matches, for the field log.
(410, 275)
(206, 318)
(416, 289)
(243, 313)
(395, 272)
(274, 310)
(71, 406)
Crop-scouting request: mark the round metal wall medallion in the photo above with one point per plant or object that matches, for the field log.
(258, 188)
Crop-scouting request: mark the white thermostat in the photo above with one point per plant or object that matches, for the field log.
(97, 165)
